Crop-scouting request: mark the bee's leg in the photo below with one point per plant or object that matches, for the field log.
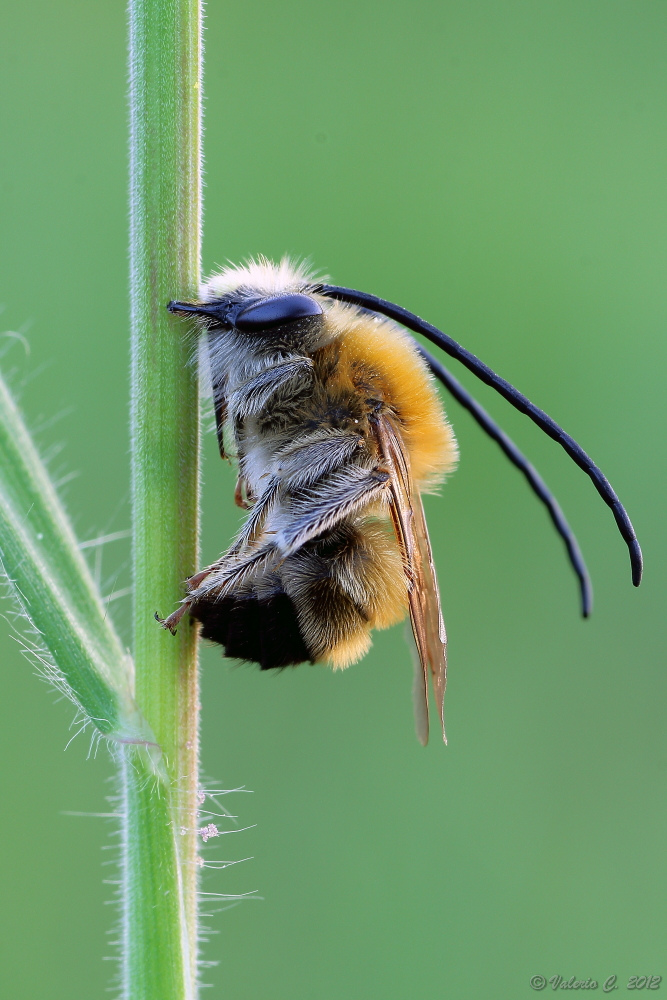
(174, 618)
(193, 582)
(239, 499)
(252, 397)
(231, 571)
(227, 569)
(258, 514)
(314, 455)
(330, 501)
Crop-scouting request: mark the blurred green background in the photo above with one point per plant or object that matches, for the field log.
(499, 167)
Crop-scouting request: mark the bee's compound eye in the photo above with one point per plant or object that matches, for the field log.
(275, 312)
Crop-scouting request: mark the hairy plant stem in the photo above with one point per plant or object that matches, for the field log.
(160, 787)
(60, 620)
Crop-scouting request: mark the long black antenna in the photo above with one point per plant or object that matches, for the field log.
(512, 395)
(515, 456)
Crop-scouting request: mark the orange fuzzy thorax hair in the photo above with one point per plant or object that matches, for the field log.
(386, 355)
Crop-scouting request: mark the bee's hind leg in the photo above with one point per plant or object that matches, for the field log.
(174, 618)
(239, 499)
(193, 582)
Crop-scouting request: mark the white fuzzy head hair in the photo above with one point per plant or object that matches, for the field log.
(259, 276)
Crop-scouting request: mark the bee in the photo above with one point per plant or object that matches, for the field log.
(331, 409)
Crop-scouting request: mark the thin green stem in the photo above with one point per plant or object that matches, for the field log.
(62, 624)
(160, 926)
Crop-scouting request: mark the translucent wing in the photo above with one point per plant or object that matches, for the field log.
(428, 627)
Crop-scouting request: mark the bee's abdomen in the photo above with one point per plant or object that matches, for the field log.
(261, 630)
(318, 604)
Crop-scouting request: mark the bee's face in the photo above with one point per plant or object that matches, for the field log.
(263, 314)
(260, 315)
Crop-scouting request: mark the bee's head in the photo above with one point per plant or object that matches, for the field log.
(259, 315)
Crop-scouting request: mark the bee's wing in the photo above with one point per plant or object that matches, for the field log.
(436, 636)
(419, 687)
(424, 598)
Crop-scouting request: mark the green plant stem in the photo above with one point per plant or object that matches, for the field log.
(160, 857)
(65, 629)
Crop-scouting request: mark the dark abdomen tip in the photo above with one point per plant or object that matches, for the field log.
(257, 630)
